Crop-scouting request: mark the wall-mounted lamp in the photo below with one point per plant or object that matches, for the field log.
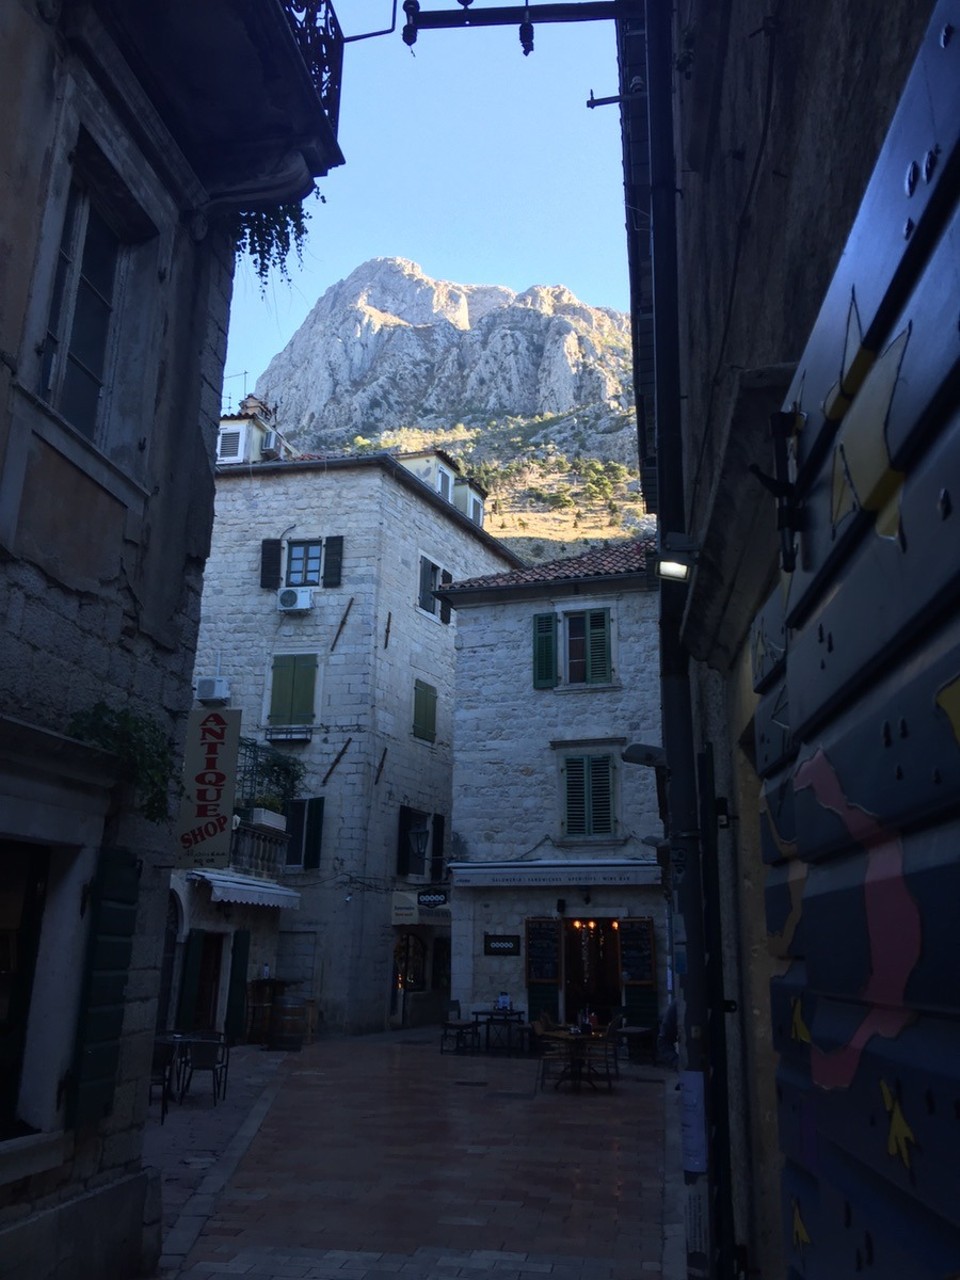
(678, 555)
(419, 839)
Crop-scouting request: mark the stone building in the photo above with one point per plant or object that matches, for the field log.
(320, 620)
(557, 894)
(807, 443)
(126, 135)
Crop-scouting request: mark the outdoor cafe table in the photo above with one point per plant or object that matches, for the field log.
(502, 1029)
(576, 1067)
(181, 1041)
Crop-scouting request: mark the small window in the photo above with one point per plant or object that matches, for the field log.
(588, 796)
(444, 484)
(476, 511)
(429, 581)
(424, 711)
(293, 689)
(586, 656)
(303, 563)
(305, 827)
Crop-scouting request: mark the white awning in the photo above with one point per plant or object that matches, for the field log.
(231, 886)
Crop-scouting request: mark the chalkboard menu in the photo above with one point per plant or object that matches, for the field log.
(637, 954)
(543, 951)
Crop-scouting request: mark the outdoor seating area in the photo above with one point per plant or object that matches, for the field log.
(178, 1056)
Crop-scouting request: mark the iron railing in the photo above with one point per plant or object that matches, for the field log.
(265, 778)
(317, 32)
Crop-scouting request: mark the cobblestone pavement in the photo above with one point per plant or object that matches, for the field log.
(377, 1157)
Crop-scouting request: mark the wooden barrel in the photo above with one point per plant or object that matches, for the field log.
(287, 1023)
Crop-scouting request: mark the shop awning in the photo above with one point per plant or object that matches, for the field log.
(231, 886)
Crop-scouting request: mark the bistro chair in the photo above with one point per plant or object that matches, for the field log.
(207, 1055)
(458, 1034)
(161, 1074)
(600, 1056)
(553, 1056)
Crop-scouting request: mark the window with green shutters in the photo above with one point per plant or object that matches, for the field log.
(305, 828)
(586, 650)
(424, 711)
(588, 796)
(293, 690)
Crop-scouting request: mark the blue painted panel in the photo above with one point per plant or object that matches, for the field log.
(768, 638)
(773, 736)
(778, 819)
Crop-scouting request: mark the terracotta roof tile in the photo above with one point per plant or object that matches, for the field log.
(614, 560)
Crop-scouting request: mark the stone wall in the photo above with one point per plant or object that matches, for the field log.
(363, 757)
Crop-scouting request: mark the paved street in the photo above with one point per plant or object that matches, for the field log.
(378, 1157)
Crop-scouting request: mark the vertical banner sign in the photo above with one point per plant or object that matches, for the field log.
(209, 785)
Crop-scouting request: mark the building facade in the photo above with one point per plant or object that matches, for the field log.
(115, 277)
(557, 894)
(320, 620)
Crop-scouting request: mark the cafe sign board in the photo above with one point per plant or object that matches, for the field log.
(205, 825)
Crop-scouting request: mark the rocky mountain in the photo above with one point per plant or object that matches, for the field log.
(530, 391)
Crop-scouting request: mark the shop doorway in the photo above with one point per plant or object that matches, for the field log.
(591, 969)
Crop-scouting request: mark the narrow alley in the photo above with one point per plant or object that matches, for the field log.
(379, 1157)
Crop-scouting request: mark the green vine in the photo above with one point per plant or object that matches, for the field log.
(142, 747)
(268, 235)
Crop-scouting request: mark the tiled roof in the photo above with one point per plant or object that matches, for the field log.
(619, 559)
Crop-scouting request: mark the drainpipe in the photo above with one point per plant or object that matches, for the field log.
(684, 835)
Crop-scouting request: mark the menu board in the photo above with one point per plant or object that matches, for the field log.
(637, 954)
(543, 951)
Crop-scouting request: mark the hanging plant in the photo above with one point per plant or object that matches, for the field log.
(268, 235)
(141, 746)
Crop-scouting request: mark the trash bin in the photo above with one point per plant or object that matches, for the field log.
(288, 1021)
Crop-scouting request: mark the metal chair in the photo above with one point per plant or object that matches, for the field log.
(161, 1074)
(207, 1055)
(457, 1034)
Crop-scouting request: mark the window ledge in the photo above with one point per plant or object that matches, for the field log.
(23, 1157)
(591, 842)
(289, 733)
(613, 687)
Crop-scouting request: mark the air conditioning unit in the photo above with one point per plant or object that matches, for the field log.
(213, 689)
(270, 448)
(294, 599)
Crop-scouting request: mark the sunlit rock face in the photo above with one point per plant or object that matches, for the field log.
(389, 347)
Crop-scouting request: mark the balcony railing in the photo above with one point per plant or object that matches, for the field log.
(257, 852)
(317, 31)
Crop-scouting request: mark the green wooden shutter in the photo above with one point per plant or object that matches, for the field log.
(270, 561)
(424, 711)
(436, 847)
(296, 818)
(445, 580)
(426, 598)
(332, 561)
(292, 690)
(575, 768)
(235, 1022)
(544, 650)
(190, 981)
(313, 833)
(600, 772)
(598, 647)
(100, 1025)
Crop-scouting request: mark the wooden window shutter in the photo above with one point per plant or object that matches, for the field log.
(270, 563)
(601, 795)
(112, 925)
(436, 847)
(234, 1023)
(404, 852)
(598, 647)
(426, 598)
(332, 561)
(293, 688)
(576, 815)
(544, 650)
(424, 711)
(313, 833)
(445, 579)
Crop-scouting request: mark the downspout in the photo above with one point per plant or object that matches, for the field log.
(676, 708)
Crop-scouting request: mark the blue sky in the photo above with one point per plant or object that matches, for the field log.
(480, 164)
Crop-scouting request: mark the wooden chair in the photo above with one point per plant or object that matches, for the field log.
(553, 1055)
(212, 1056)
(600, 1056)
(458, 1034)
